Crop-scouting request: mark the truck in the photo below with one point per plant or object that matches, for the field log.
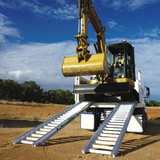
(111, 103)
(112, 80)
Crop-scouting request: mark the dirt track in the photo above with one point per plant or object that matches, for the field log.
(67, 144)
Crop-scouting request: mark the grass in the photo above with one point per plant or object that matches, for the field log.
(20, 116)
(3, 114)
(36, 118)
(32, 104)
(16, 146)
(77, 120)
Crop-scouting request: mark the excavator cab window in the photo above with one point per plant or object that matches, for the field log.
(115, 54)
(121, 60)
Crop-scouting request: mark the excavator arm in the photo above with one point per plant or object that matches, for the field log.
(85, 63)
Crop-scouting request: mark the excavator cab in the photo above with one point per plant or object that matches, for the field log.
(121, 62)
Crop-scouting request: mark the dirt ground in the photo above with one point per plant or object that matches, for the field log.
(67, 144)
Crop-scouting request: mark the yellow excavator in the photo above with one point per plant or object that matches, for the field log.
(108, 74)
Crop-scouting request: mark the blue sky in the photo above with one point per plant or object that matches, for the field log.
(35, 35)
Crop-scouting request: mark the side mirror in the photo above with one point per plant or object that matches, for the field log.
(147, 92)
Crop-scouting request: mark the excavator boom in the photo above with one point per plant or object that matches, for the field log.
(85, 63)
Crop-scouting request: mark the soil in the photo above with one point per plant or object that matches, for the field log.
(67, 144)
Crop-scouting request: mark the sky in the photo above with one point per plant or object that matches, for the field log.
(35, 36)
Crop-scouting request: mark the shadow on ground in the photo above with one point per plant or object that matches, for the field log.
(152, 135)
(5, 123)
(56, 141)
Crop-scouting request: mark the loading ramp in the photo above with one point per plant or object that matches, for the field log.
(109, 136)
(40, 134)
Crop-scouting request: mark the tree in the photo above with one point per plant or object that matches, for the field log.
(51, 96)
(69, 97)
(147, 104)
(60, 96)
(31, 91)
(153, 103)
(9, 89)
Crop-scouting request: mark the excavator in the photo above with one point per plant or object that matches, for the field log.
(111, 103)
(106, 77)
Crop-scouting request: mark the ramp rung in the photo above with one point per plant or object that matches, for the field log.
(114, 126)
(108, 135)
(99, 151)
(48, 127)
(113, 129)
(58, 120)
(26, 142)
(43, 129)
(31, 138)
(101, 147)
(118, 118)
(36, 135)
(104, 142)
(111, 132)
(65, 117)
(107, 139)
(54, 125)
(115, 123)
(39, 132)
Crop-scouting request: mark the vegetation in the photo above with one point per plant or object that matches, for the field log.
(32, 92)
(152, 103)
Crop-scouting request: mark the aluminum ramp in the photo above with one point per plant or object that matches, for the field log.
(44, 131)
(109, 136)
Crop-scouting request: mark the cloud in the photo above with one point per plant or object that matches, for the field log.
(6, 30)
(113, 25)
(152, 32)
(116, 4)
(147, 56)
(136, 4)
(62, 11)
(130, 5)
(38, 62)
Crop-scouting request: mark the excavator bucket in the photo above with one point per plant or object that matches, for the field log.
(95, 64)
